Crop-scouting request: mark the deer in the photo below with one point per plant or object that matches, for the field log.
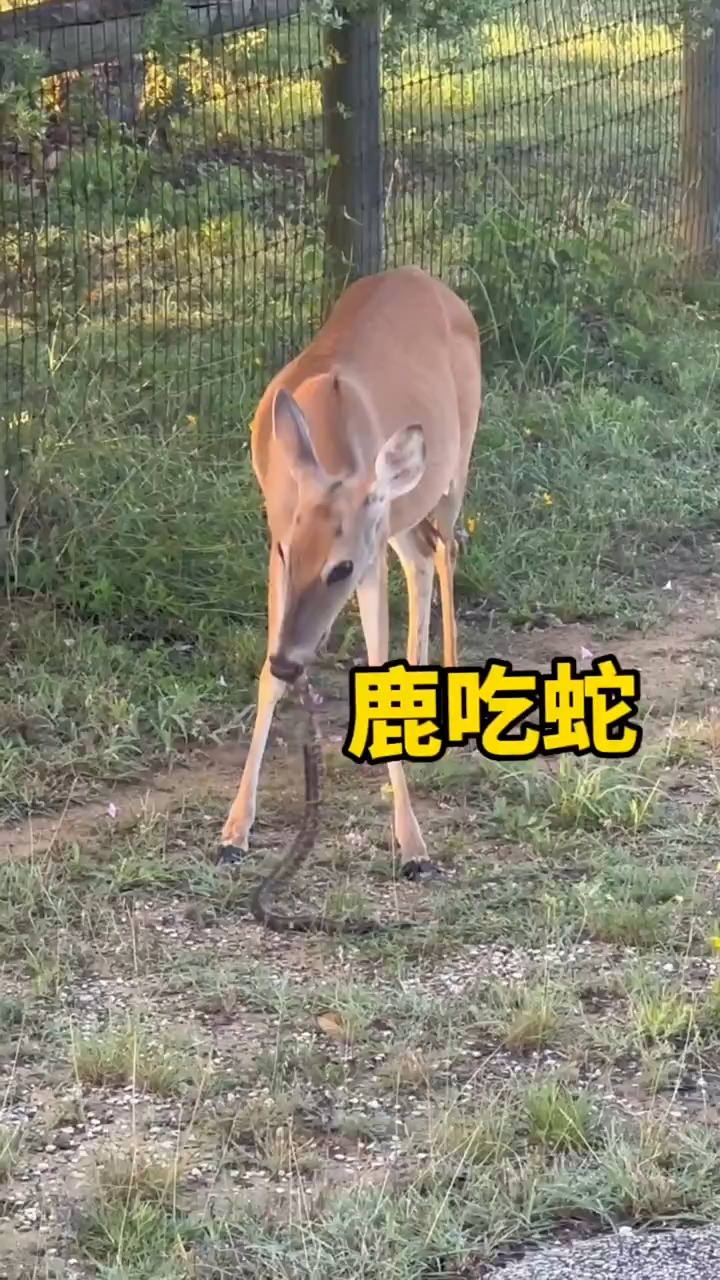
(361, 442)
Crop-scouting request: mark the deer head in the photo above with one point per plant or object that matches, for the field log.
(338, 527)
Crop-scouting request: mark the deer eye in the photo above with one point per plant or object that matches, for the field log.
(339, 572)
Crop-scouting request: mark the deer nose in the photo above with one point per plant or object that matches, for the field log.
(284, 669)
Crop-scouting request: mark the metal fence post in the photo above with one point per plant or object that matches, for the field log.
(352, 108)
(700, 218)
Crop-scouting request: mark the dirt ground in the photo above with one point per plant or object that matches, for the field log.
(143, 1011)
(671, 660)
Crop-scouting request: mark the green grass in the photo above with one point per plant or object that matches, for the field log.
(139, 520)
(159, 553)
(9, 1152)
(153, 281)
(132, 1224)
(485, 1063)
(538, 1055)
(129, 1054)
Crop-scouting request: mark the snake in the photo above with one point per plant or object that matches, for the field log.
(303, 844)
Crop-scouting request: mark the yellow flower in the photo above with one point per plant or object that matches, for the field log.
(191, 420)
(715, 943)
(471, 524)
(547, 499)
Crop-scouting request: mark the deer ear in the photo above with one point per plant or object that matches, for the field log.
(400, 463)
(290, 429)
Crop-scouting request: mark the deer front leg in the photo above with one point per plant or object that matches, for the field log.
(236, 832)
(373, 605)
(417, 564)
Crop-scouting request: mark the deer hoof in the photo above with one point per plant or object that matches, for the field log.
(421, 869)
(230, 855)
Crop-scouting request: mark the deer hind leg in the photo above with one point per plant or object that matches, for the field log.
(236, 832)
(469, 385)
(373, 605)
(445, 557)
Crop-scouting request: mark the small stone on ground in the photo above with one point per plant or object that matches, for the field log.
(681, 1254)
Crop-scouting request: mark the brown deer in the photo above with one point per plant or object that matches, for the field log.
(361, 441)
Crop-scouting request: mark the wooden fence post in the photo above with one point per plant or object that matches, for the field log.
(352, 125)
(4, 513)
(700, 134)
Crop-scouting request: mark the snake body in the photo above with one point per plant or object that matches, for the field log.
(303, 844)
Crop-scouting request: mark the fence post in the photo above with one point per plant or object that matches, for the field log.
(4, 513)
(352, 127)
(700, 219)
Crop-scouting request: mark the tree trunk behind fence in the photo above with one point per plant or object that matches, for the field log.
(700, 219)
(353, 137)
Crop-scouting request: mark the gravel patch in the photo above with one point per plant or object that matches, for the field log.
(681, 1254)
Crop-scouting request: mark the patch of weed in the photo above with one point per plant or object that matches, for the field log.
(129, 1053)
(133, 1222)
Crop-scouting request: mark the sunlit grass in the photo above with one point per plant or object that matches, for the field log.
(172, 281)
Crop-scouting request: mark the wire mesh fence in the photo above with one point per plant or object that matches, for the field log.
(163, 215)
